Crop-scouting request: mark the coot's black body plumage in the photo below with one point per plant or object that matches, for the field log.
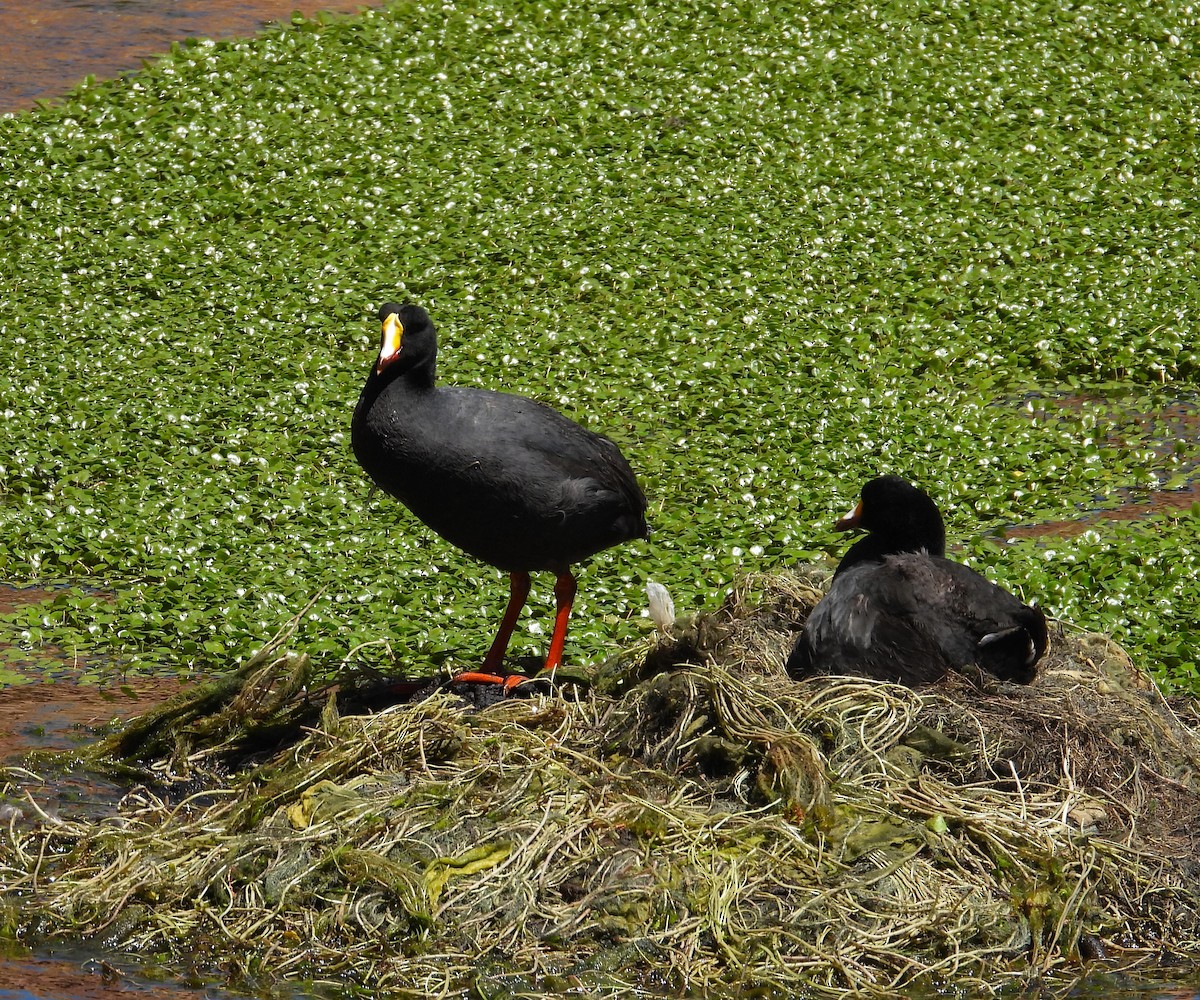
(504, 478)
(898, 610)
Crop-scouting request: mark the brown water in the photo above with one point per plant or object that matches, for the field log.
(52, 711)
(1174, 433)
(49, 46)
(51, 977)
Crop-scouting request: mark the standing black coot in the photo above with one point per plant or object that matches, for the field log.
(897, 610)
(506, 479)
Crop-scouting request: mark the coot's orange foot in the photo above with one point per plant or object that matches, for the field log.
(476, 677)
(507, 682)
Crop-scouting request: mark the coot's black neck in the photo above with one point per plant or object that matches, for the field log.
(918, 531)
(412, 381)
(416, 374)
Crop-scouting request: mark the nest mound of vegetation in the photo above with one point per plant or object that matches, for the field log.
(691, 822)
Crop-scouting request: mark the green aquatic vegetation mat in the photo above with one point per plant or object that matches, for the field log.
(771, 250)
(692, 824)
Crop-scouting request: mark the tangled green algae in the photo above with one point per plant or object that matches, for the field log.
(771, 250)
(694, 822)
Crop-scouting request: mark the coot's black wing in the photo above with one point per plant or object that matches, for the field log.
(912, 617)
(507, 479)
(1008, 636)
(866, 625)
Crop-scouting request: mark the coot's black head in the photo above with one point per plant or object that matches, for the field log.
(407, 339)
(899, 518)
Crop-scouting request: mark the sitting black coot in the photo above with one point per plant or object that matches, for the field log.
(898, 610)
(506, 479)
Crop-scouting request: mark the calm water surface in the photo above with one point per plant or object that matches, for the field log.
(49, 46)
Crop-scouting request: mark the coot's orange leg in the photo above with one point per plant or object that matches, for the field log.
(564, 595)
(518, 593)
(489, 672)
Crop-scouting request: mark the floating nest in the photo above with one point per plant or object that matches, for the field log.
(688, 822)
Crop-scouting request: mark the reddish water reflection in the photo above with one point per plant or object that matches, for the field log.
(49, 46)
(85, 979)
(52, 711)
(1159, 502)
(1174, 431)
(59, 714)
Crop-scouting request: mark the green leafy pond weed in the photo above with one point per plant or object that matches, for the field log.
(772, 251)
